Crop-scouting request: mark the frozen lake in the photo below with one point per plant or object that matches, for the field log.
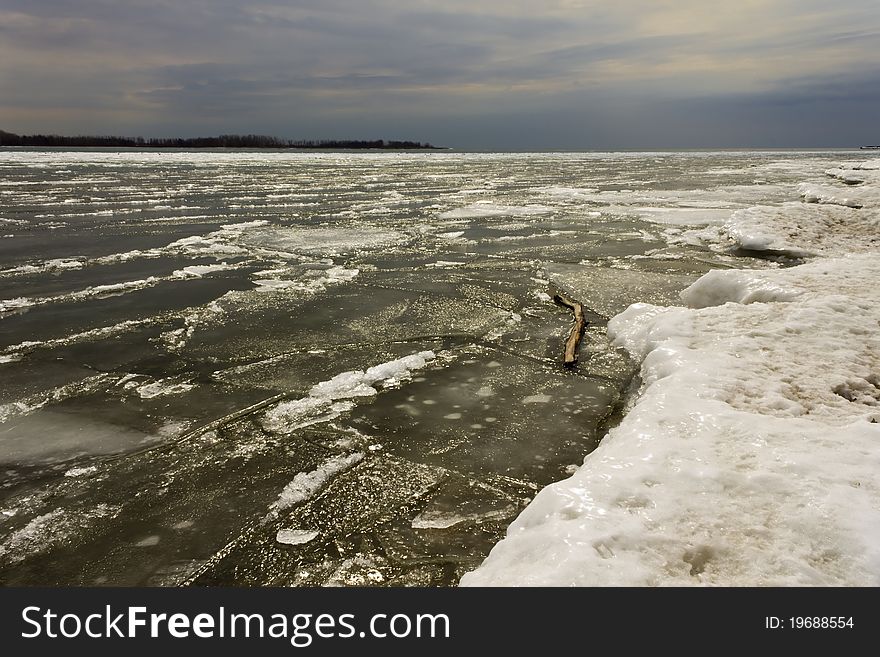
(278, 368)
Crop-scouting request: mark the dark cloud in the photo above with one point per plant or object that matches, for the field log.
(494, 74)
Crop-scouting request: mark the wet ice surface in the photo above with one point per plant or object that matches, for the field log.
(214, 367)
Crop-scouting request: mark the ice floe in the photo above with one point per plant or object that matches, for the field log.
(295, 536)
(327, 399)
(306, 484)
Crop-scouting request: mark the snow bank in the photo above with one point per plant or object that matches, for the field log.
(836, 220)
(751, 455)
(738, 286)
(798, 230)
(865, 173)
(853, 197)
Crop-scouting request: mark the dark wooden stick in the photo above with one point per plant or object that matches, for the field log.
(570, 355)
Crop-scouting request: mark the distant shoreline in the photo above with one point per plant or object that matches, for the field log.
(221, 141)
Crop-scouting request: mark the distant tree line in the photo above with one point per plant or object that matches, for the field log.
(223, 141)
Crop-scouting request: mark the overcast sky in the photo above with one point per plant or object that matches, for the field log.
(481, 74)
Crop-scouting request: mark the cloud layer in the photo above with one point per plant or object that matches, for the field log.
(512, 74)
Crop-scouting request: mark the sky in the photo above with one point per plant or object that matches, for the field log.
(468, 74)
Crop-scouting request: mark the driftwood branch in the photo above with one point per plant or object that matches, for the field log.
(570, 355)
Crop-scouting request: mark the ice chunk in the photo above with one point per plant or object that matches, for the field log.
(112, 289)
(436, 519)
(311, 285)
(307, 484)
(54, 265)
(347, 385)
(360, 570)
(244, 225)
(212, 245)
(197, 271)
(15, 304)
(295, 536)
(81, 472)
(164, 387)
